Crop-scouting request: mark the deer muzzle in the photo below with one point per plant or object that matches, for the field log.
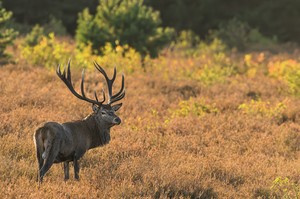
(117, 121)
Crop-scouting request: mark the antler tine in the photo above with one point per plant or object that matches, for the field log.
(67, 79)
(121, 90)
(69, 71)
(118, 96)
(103, 96)
(109, 82)
(82, 84)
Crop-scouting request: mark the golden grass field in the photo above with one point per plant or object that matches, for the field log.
(179, 138)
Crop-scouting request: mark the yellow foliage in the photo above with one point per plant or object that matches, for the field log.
(253, 64)
(50, 52)
(286, 188)
(288, 71)
(192, 107)
(263, 108)
(280, 69)
(124, 57)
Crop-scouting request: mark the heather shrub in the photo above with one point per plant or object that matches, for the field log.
(130, 22)
(172, 125)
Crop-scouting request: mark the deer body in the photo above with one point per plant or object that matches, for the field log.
(68, 142)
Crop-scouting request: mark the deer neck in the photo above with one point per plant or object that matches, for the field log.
(99, 131)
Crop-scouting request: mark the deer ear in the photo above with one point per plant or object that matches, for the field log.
(116, 107)
(95, 108)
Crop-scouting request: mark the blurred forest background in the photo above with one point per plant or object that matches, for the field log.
(150, 26)
(272, 17)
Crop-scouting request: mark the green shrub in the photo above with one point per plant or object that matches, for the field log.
(214, 47)
(55, 25)
(192, 107)
(288, 71)
(125, 57)
(187, 39)
(7, 35)
(216, 64)
(128, 21)
(35, 36)
(186, 43)
(48, 51)
(234, 33)
(238, 34)
(189, 44)
(265, 109)
(211, 74)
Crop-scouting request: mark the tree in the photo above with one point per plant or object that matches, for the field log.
(7, 35)
(126, 21)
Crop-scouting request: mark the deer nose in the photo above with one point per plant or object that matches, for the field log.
(117, 120)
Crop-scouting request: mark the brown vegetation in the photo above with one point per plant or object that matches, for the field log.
(178, 137)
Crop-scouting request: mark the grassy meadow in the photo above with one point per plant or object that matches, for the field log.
(204, 123)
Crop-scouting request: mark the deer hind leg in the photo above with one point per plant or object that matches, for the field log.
(50, 157)
(39, 149)
(66, 170)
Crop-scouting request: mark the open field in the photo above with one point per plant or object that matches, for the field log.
(180, 136)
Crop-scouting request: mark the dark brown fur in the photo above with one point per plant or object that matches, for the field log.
(69, 141)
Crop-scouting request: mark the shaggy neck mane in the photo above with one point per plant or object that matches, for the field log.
(100, 133)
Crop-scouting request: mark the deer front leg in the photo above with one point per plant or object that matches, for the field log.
(66, 170)
(76, 168)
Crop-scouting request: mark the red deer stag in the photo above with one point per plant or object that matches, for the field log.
(69, 141)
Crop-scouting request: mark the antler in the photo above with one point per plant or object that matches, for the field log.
(118, 96)
(66, 78)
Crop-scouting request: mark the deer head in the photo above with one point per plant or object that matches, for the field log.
(104, 113)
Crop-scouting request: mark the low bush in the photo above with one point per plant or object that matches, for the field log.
(287, 71)
(261, 108)
(192, 107)
(48, 51)
(285, 188)
(35, 36)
